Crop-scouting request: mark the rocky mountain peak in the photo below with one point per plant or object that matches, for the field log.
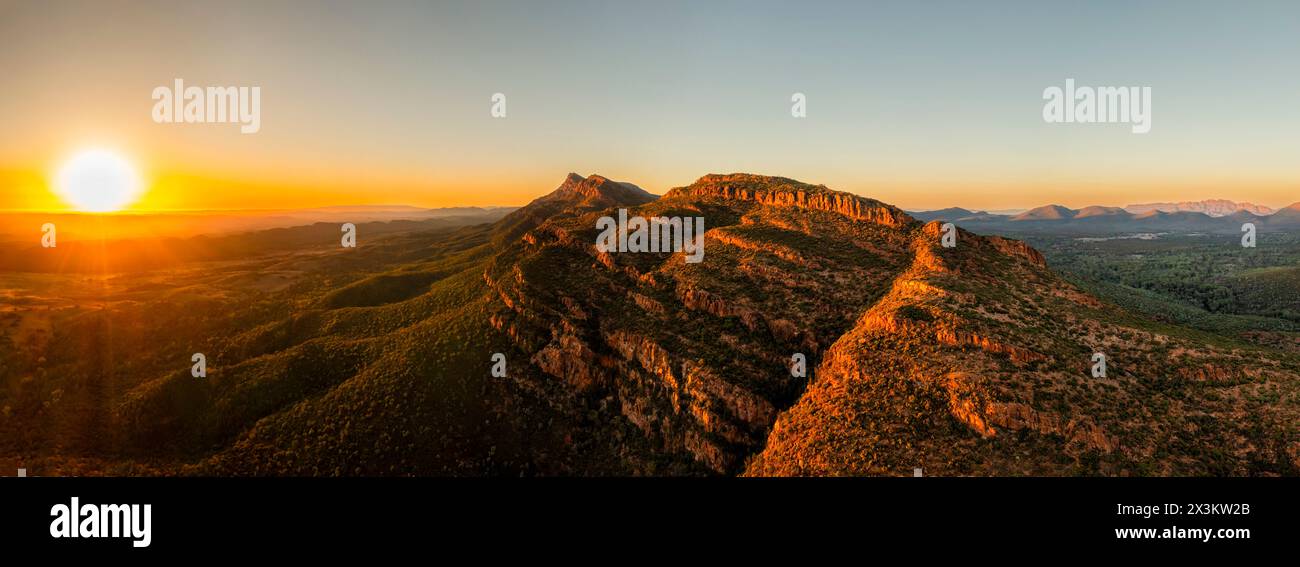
(598, 191)
(575, 193)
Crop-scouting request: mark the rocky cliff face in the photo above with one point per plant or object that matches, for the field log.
(698, 362)
(782, 192)
(966, 360)
(977, 361)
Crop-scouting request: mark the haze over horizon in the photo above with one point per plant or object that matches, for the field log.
(63, 209)
(921, 106)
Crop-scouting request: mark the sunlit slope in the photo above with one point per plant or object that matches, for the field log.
(377, 360)
(696, 355)
(979, 362)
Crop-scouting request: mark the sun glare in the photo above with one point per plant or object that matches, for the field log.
(97, 181)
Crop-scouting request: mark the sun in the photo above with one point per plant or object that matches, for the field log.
(97, 181)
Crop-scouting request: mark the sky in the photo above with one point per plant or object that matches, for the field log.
(920, 104)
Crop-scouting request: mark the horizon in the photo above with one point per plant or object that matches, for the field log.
(342, 205)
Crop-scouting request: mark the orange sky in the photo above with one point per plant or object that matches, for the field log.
(30, 189)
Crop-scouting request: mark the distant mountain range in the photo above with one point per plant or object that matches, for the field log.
(1131, 218)
(1212, 207)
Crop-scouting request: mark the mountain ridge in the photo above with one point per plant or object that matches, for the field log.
(1103, 219)
(1211, 207)
(971, 359)
(716, 414)
(783, 191)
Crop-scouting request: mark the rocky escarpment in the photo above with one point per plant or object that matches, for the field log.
(970, 359)
(698, 356)
(978, 361)
(782, 192)
(1017, 248)
(698, 363)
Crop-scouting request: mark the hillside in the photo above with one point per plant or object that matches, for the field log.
(978, 363)
(969, 360)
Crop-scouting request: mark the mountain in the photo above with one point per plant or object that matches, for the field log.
(969, 360)
(575, 193)
(1288, 216)
(595, 192)
(1046, 212)
(695, 356)
(948, 214)
(1097, 211)
(518, 347)
(955, 214)
(1102, 220)
(1112, 220)
(1211, 207)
